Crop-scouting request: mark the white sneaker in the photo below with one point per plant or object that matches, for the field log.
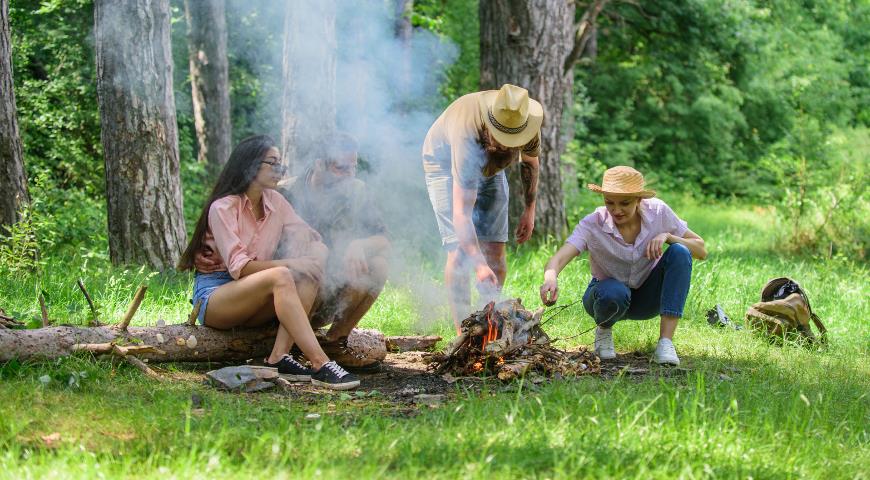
(604, 343)
(666, 354)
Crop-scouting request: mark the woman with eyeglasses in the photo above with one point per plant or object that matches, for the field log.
(243, 220)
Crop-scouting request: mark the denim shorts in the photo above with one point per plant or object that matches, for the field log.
(204, 284)
(490, 215)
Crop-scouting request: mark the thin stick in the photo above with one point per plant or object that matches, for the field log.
(191, 319)
(118, 351)
(84, 290)
(560, 309)
(44, 310)
(137, 300)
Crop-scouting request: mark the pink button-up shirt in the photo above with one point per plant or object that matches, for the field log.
(236, 234)
(610, 256)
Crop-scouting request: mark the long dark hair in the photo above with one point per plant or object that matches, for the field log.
(236, 176)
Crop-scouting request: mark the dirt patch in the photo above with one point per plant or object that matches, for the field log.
(405, 379)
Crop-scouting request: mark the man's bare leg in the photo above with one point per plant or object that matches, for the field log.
(456, 277)
(494, 252)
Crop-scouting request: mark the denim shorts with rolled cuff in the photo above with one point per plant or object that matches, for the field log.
(204, 284)
(490, 215)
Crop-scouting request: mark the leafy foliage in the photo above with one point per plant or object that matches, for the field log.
(699, 90)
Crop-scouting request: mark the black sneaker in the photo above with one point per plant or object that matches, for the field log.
(331, 375)
(290, 369)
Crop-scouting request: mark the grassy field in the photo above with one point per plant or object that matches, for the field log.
(741, 408)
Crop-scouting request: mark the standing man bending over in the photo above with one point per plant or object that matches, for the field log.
(464, 157)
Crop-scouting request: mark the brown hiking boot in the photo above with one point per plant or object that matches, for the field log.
(345, 356)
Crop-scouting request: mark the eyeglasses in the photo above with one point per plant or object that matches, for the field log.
(277, 166)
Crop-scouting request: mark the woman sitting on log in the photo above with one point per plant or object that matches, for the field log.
(631, 276)
(243, 220)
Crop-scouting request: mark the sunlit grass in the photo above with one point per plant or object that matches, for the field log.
(740, 408)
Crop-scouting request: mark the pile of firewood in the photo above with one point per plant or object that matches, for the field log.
(506, 340)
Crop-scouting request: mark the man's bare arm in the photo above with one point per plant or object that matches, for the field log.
(529, 168)
(463, 206)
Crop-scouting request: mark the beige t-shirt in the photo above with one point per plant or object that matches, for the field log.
(455, 142)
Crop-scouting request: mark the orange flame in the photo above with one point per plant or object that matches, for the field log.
(491, 334)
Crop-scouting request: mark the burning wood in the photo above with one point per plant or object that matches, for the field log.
(506, 340)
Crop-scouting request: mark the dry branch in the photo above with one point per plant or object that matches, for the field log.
(95, 321)
(137, 300)
(194, 314)
(44, 310)
(585, 28)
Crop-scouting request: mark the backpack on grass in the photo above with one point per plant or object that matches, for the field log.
(784, 312)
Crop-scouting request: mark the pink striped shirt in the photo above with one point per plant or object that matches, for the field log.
(610, 256)
(236, 234)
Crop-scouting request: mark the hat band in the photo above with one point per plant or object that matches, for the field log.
(511, 130)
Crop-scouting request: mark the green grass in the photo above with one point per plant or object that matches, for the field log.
(744, 408)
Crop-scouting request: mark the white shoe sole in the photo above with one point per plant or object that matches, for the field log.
(336, 386)
(605, 356)
(674, 363)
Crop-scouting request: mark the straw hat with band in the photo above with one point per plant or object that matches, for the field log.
(512, 118)
(622, 181)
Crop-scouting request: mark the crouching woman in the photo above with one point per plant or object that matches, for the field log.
(243, 221)
(632, 276)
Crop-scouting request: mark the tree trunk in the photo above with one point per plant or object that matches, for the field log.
(525, 43)
(13, 181)
(308, 101)
(181, 343)
(209, 75)
(139, 131)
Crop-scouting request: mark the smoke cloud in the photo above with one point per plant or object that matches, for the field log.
(385, 95)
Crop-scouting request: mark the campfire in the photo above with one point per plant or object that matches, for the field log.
(506, 340)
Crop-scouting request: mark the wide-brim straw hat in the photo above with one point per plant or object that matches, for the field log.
(512, 118)
(622, 181)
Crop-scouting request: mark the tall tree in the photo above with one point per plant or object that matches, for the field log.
(308, 101)
(139, 131)
(534, 44)
(209, 75)
(13, 182)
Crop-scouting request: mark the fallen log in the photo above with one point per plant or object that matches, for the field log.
(171, 343)
(412, 343)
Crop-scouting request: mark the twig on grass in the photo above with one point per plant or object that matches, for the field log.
(95, 322)
(126, 353)
(137, 300)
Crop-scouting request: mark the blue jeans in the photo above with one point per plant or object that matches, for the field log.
(663, 293)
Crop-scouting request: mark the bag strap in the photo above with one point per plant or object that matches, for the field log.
(823, 332)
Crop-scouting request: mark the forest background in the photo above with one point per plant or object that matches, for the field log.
(764, 102)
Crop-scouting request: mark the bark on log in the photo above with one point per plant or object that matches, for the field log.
(180, 343)
(13, 182)
(412, 344)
